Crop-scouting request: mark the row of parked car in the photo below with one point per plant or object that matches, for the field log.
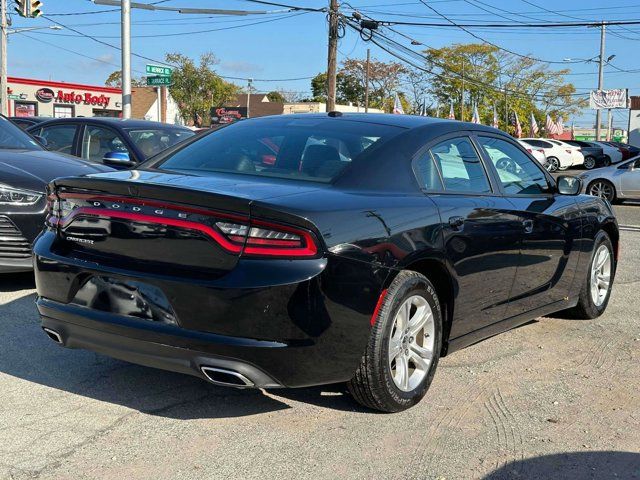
(557, 155)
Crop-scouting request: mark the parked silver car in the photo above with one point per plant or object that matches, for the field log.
(616, 182)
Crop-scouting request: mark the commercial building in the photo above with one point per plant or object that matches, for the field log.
(45, 98)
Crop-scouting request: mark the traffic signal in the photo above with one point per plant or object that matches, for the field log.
(29, 8)
(22, 7)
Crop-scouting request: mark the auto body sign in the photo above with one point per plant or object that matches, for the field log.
(605, 99)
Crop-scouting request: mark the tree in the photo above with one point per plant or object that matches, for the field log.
(115, 80)
(276, 96)
(197, 88)
(496, 78)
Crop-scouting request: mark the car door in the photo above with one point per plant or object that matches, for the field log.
(60, 137)
(549, 225)
(480, 231)
(98, 140)
(630, 180)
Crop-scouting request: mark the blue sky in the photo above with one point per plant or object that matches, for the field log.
(294, 45)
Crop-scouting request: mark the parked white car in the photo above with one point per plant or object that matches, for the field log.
(615, 183)
(560, 155)
(536, 152)
(614, 154)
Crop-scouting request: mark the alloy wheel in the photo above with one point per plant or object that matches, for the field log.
(411, 343)
(600, 275)
(552, 165)
(603, 190)
(589, 163)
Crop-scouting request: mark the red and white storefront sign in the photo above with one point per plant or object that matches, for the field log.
(29, 97)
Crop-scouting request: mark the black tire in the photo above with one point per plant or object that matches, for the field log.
(372, 384)
(607, 161)
(601, 183)
(586, 309)
(589, 163)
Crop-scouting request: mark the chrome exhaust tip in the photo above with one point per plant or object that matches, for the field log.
(53, 335)
(226, 378)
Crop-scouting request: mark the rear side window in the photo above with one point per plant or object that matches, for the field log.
(539, 143)
(59, 137)
(460, 166)
(427, 172)
(518, 174)
(315, 149)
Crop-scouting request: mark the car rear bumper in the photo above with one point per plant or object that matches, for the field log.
(276, 322)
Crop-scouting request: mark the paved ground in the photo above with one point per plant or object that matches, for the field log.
(552, 399)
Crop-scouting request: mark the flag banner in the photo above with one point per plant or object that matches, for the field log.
(476, 117)
(549, 126)
(518, 132)
(495, 118)
(452, 116)
(397, 106)
(559, 126)
(605, 99)
(534, 126)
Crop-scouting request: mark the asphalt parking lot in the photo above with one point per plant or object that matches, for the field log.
(555, 398)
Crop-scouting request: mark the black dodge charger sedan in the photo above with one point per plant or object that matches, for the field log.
(304, 250)
(25, 170)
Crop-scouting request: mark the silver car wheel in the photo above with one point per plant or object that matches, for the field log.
(589, 163)
(600, 275)
(411, 343)
(602, 189)
(553, 164)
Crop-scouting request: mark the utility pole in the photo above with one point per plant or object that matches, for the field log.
(332, 55)
(3, 63)
(609, 125)
(462, 96)
(249, 80)
(506, 110)
(603, 28)
(366, 85)
(126, 57)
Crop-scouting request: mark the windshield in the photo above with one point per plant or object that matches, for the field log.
(314, 149)
(151, 141)
(12, 137)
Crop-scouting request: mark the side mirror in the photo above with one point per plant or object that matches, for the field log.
(41, 140)
(118, 160)
(568, 185)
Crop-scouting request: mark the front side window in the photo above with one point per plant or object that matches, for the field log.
(11, 136)
(302, 149)
(460, 166)
(59, 137)
(518, 174)
(98, 141)
(151, 141)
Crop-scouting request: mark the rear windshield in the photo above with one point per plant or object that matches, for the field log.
(315, 149)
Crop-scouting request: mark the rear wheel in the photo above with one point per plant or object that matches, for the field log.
(596, 286)
(404, 348)
(589, 163)
(553, 164)
(607, 161)
(603, 189)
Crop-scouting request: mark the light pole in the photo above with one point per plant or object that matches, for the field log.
(125, 14)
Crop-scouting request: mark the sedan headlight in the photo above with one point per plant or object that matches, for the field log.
(14, 196)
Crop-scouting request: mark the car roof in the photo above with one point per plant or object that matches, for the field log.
(403, 121)
(116, 122)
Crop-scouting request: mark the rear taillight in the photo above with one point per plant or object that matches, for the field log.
(266, 239)
(540, 150)
(568, 150)
(529, 150)
(235, 233)
(53, 210)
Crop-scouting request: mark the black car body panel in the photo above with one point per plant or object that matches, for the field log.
(121, 261)
(589, 150)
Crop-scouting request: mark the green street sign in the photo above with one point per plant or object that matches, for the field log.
(160, 71)
(159, 81)
(13, 97)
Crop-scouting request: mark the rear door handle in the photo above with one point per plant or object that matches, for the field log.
(528, 226)
(456, 223)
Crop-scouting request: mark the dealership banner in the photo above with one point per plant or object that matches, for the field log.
(605, 99)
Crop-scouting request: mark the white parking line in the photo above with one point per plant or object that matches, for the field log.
(630, 228)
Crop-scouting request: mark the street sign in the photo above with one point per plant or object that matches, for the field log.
(13, 97)
(159, 81)
(159, 70)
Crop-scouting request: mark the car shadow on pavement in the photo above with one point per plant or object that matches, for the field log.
(28, 354)
(572, 466)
